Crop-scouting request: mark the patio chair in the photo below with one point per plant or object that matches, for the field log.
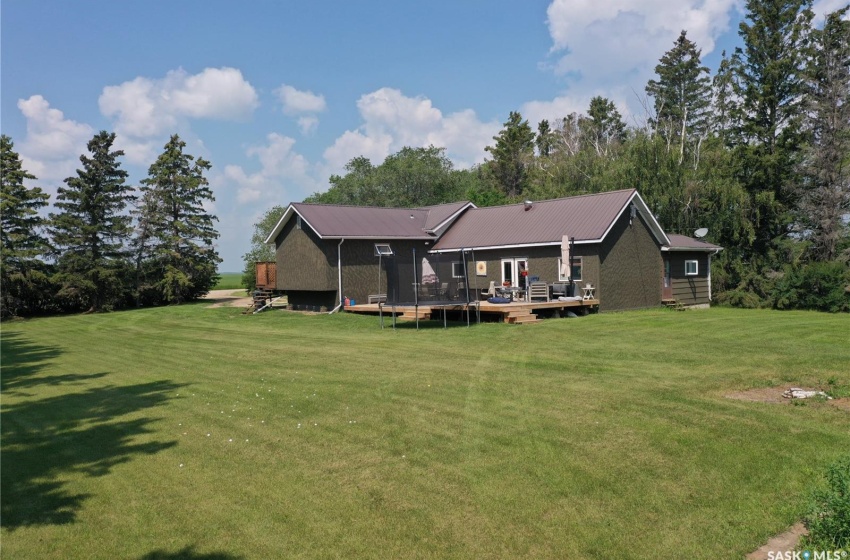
(560, 290)
(539, 290)
(444, 290)
(489, 292)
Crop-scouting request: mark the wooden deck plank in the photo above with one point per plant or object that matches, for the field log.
(509, 312)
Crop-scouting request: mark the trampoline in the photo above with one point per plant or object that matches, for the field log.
(437, 281)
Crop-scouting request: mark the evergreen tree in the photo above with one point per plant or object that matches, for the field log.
(21, 243)
(682, 94)
(545, 139)
(91, 232)
(182, 232)
(604, 125)
(512, 154)
(725, 111)
(771, 67)
(825, 188)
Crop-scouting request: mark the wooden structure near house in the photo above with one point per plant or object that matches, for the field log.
(266, 276)
(514, 313)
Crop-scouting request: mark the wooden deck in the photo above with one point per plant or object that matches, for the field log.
(517, 313)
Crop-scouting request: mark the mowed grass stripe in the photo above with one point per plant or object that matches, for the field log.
(604, 436)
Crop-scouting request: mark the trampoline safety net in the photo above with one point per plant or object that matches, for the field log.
(429, 279)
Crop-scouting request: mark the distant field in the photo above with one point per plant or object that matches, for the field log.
(229, 281)
(189, 432)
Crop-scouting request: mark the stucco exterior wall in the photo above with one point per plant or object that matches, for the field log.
(304, 261)
(542, 262)
(630, 267)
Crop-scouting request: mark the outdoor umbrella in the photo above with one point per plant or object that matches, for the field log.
(565, 257)
(428, 274)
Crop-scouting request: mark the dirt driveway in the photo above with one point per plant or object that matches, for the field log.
(225, 298)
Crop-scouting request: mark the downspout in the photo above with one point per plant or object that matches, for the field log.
(339, 270)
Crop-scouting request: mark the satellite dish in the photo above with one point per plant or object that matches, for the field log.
(701, 232)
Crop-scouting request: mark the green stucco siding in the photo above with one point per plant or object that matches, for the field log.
(542, 262)
(630, 267)
(305, 261)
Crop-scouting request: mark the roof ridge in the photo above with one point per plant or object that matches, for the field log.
(571, 197)
(356, 206)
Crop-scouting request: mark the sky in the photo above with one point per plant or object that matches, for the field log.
(280, 95)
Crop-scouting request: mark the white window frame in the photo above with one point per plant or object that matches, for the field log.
(383, 250)
(696, 268)
(577, 261)
(297, 222)
(457, 269)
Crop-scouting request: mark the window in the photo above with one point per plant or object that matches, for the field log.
(576, 270)
(297, 222)
(691, 268)
(457, 270)
(383, 250)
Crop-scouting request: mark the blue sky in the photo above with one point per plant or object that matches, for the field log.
(278, 95)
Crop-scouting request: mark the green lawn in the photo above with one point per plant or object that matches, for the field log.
(195, 433)
(228, 281)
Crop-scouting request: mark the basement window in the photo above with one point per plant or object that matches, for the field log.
(383, 250)
(691, 268)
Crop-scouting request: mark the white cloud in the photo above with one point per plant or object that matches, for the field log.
(614, 46)
(308, 125)
(146, 107)
(302, 104)
(297, 101)
(392, 121)
(281, 167)
(822, 8)
(53, 144)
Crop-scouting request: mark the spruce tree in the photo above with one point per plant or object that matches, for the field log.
(682, 94)
(604, 126)
(825, 186)
(182, 232)
(512, 154)
(771, 73)
(22, 244)
(725, 110)
(91, 231)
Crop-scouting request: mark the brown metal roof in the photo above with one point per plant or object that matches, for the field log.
(338, 221)
(334, 221)
(587, 218)
(685, 243)
(442, 212)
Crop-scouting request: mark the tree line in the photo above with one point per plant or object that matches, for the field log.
(758, 153)
(106, 244)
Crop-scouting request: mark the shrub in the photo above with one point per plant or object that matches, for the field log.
(819, 285)
(828, 518)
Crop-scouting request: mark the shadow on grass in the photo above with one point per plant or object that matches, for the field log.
(188, 553)
(23, 359)
(48, 440)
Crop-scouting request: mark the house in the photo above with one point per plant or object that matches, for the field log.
(325, 252)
